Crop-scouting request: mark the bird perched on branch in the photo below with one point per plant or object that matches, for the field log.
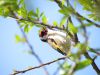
(57, 39)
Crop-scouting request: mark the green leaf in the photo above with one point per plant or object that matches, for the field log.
(72, 28)
(38, 12)
(55, 23)
(21, 2)
(83, 64)
(1, 11)
(6, 12)
(22, 11)
(17, 38)
(51, 0)
(63, 12)
(75, 3)
(66, 66)
(42, 14)
(31, 13)
(63, 21)
(44, 20)
(26, 29)
(20, 39)
(63, 2)
(66, 11)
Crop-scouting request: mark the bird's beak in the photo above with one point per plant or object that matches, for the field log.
(44, 40)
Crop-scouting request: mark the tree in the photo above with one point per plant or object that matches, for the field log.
(28, 19)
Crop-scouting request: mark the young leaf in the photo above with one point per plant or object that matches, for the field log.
(38, 12)
(26, 29)
(31, 13)
(42, 14)
(44, 19)
(63, 12)
(55, 23)
(63, 2)
(23, 11)
(1, 10)
(83, 64)
(72, 28)
(66, 66)
(63, 21)
(51, 0)
(17, 38)
(21, 2)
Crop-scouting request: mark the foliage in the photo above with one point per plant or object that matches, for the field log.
(93, 7)
(28, 19)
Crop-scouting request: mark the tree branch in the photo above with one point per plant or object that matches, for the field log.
(51, 26)
(33, 53)
(93, 63)
(79, 16)
(76, 13)
(28, 43)
(48, 63)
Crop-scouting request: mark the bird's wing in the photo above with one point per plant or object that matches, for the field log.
(58, 43)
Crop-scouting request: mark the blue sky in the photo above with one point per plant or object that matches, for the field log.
(15, 56)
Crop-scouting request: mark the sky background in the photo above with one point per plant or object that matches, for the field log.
(15, 56)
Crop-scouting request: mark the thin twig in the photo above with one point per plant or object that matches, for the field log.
(80, 16)
(43, 24)
(47, 25)
(42, 65)
(76, 13)
(94, 50)
(86, 53)
(32, 50)
(28, 43)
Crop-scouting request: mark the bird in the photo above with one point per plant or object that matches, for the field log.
(57, 39)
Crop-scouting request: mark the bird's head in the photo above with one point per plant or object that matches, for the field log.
(43, 34)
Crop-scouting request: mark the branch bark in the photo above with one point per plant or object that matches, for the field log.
(42, 65)
(51, 26)
(28, 43)
(79, 16)
(95, 67)
(76, 13)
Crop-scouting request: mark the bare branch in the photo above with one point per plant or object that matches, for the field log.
(28, 43)
(95, 67)
(42, 65)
